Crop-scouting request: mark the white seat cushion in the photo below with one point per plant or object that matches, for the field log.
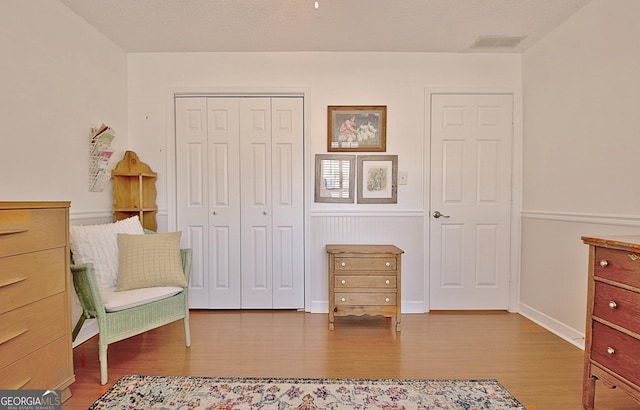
(114, 301)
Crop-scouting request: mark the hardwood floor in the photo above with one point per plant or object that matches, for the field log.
(541, 370)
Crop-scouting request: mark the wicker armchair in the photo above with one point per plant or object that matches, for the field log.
(121, 324)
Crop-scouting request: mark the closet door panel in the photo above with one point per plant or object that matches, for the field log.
(255, 157)
(287, 202)
(224, 203)
(192, 191)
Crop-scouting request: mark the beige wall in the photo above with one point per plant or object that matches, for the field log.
(59, 77)
(581, 146)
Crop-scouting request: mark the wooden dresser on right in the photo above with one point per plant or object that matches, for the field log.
(612, 336)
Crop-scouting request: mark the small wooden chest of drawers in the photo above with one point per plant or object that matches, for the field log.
(612, 336)
(364, 280)
(35, 304)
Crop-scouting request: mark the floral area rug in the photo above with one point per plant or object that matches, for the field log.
(170, 392)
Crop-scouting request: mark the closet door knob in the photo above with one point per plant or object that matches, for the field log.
(264, 212)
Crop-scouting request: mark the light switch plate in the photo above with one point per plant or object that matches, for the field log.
(402, 178)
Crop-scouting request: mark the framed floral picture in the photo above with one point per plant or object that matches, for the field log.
(335, 178)
(357, 128)
(378, 179)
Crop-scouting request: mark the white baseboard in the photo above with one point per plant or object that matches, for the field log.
(89, 329)
(567, 333)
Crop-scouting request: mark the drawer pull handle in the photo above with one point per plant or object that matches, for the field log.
(611, 350)
(12, 230)
(13, 336)
(343, 264)
(387, 300)
(21, 384)
(613, 304)
(11, 282)
(344, 282)
(604, 263)
(633, 257)
(387, 264)
(387, 281)
(343, 299)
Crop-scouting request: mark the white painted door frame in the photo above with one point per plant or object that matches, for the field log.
(223, 91)
(516, 184)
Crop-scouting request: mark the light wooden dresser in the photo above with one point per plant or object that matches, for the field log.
(35, 304)
(612, 337)
(364, 280)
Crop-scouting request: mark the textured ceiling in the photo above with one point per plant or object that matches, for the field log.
(337, 25)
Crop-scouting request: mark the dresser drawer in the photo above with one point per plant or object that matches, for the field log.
(618, 265)
(30, 327)
(618, 306)
(50, 367)
(30, 277)
(27, 230)
(346, 264)
(616, 351)
(356, 281)
(364, 299)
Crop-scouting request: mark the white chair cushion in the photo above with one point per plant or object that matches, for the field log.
(114, 301)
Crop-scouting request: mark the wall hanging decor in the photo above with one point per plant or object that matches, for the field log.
(357, 128)
(335, 178)
(99, 155)
(377, 179)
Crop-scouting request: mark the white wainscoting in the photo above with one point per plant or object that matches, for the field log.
(403, 229)
(554, 269)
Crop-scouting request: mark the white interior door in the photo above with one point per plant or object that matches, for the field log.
(471, 138)
(240, 200)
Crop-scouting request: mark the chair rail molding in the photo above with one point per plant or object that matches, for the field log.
(589, 218)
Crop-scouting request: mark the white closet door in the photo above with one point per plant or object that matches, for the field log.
(224, 203)
(192, 191)
(240, 200)
(287, 202)
(256, 216)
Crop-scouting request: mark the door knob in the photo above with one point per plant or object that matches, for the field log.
(437, 214)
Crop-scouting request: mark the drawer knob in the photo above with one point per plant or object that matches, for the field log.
(387, 264)
(387, 281)
(613, 304)
(343, 299)
(343, 264)
(387, 300)
(611, 350)
(604, 263)
(344, 282)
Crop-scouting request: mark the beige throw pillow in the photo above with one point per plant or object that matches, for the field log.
(150, 260)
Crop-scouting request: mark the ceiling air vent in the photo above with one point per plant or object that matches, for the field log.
(497, 41)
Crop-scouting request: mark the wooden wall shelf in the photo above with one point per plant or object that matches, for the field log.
(134, 191)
